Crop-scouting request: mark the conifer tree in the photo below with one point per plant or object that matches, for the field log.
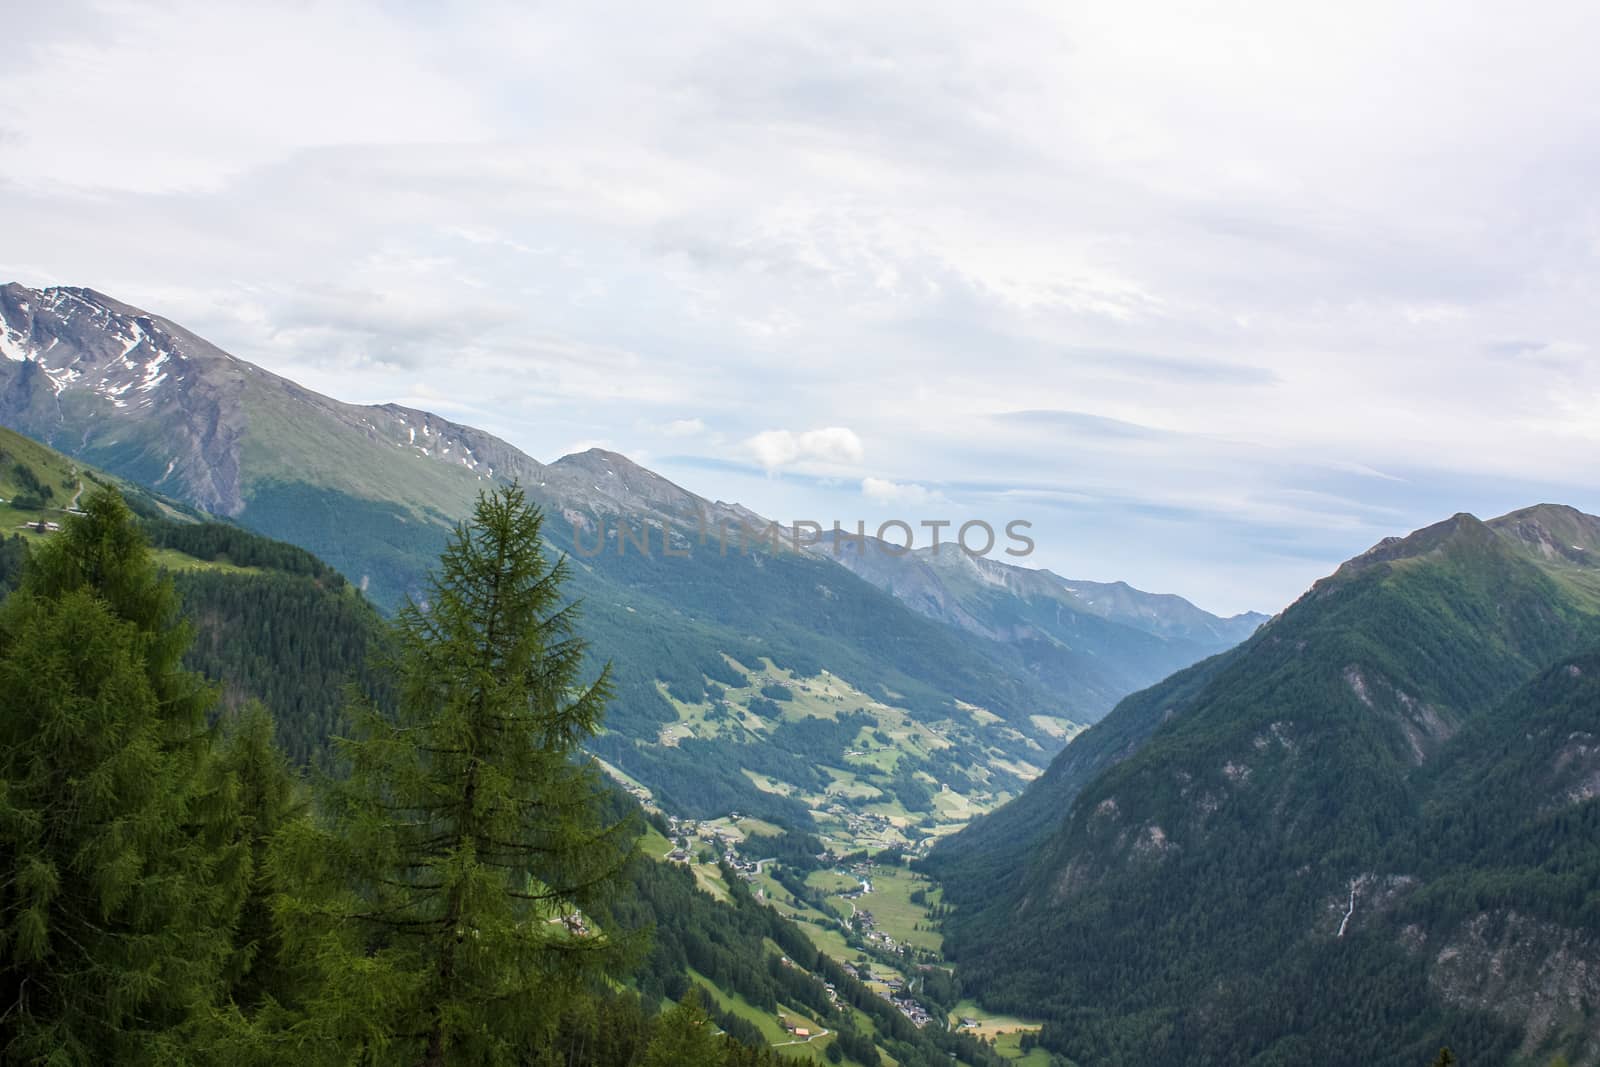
(263, 791)
(686, 1037)
(118, 877)
(452, 894)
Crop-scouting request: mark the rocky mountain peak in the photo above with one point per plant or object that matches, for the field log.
(1553, 532)
(601, 481)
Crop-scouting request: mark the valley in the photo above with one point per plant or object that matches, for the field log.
(857, 901)
(872, 915)
(947, 805)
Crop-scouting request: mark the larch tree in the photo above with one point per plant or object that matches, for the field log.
(451, 893)
(266, 795)
(686, 1037)
(118, 877)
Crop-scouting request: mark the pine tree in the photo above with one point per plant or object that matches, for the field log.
(452, 896)
(686, 1037)
(119, 877)
(263, 791)
(1446, 1058)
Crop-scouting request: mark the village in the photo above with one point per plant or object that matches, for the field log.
(730, 845)
(859, 939)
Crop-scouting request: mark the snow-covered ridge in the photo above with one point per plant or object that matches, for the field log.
(81, 343)
(418, 433)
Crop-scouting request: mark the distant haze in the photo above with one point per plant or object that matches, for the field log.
(1214, 298)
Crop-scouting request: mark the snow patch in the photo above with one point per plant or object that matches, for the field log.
(130, 343)
(59, 379)
(13, 346)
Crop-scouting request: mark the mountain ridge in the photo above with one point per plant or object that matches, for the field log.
(1205, 849)
(1060, 626)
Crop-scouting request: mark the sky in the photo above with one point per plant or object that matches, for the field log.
(1215, 295)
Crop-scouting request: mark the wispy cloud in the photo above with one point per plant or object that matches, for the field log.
(884, 491)
(683, 428)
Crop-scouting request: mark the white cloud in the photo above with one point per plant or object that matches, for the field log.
(884, 491)
(213, 95)
(684, 428)
(784, 448)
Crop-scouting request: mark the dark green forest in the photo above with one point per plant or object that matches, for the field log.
(1387, 751)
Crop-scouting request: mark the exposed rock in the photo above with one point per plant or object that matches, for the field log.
(1534, 974)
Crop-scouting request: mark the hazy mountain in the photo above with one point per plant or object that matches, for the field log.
(1107, 635)
(1367, 831)
(885, 706)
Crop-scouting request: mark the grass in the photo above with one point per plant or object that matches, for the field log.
(281, 445)
(52, 468)
(167, 558)
(993, 1025)
(831, 882)
(896, 915)
(860, 780)
(1057, 727)
(173, 560)
(709, 878)
(769, 785)
(654, 843)
(769, 1024)
(1009, 1045)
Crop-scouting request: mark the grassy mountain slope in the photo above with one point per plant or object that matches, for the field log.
(1189, 904)
(690, 635)
(272, 622)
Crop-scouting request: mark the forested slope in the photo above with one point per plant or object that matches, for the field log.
(1321, 821)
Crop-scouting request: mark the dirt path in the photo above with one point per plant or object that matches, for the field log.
(804, 1040)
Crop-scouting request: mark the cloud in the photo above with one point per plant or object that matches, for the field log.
(684, 428)
(387, 92)
(1080, 422)
(783, 448)
(884, 491)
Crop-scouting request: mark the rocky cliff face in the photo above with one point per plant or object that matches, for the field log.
(84, 372)
(144, 396)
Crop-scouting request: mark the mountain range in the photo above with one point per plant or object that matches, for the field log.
(773, 681)
(1065, 630)
(1366, 832)
(1353, 833)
